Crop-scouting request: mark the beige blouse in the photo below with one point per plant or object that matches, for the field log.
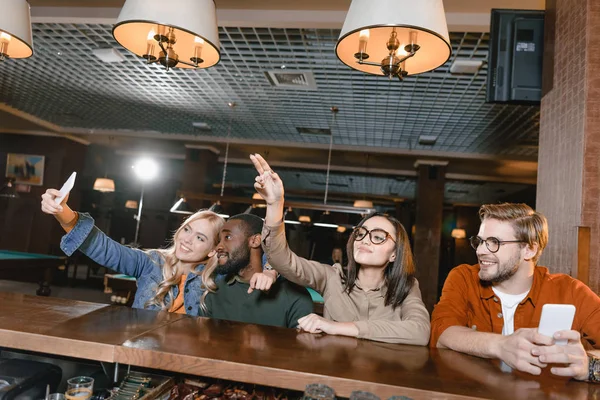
(409, 323)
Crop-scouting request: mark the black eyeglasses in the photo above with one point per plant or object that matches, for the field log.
(376, 236)
(493, 244)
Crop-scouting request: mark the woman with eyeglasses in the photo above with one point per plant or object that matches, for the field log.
(378, 300)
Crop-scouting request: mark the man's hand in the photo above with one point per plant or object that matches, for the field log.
(517, 350)
(572, 354)
(262, 281)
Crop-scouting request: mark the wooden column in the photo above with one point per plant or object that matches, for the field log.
(428, 228)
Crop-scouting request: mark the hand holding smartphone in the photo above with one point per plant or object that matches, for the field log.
(556, 317)
(66, 188)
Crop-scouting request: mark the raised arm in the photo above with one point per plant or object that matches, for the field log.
(294, 268)
(84, 236)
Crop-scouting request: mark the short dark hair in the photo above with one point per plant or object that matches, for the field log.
(253, 224)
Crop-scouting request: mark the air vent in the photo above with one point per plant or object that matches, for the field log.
(314, 131)
(458, 191)
(465, 66)
(292, 79)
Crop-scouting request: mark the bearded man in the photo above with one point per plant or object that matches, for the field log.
(492, 309)
(239, 257)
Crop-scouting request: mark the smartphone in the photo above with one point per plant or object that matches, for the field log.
(556, 317)
(66, 188)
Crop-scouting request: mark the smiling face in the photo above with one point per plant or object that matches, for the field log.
(504, 264)
(368, 254)
(233, 250)
(195, 241)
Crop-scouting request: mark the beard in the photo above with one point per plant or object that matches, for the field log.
(506, 270)
(236, 261)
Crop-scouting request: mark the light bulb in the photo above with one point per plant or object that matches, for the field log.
(5, 37)
(363, 38)
(151, 35)
(364, 35)
(198, 42)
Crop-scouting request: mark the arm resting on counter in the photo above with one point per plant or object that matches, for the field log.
(413, 327)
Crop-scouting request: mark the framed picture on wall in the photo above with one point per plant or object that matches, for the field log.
(26, 169)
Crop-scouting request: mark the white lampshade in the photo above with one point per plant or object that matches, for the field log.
(16, 38)
(363, 204)
(458, 234)
(104, 185)
(191, 19)
(379, 17)
(131, 204)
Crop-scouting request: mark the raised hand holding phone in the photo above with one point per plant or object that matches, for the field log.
(556, 317)
(66, 188)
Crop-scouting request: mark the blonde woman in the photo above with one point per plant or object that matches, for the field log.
(167, 279)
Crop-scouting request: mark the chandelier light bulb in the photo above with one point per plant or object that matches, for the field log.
(5, 37)
(151, 35)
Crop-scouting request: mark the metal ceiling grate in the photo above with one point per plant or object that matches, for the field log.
(64, 83)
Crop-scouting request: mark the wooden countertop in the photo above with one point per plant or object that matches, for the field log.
(263, 355)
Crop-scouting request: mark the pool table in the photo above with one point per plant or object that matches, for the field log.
(30, 267)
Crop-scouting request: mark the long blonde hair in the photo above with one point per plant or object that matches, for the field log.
(170, 271)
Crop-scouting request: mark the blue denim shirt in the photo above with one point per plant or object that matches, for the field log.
(146, 267)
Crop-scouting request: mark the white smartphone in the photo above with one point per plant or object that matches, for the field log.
(66, 188)
(556, 317)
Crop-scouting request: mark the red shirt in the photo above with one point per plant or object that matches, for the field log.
(466, 302)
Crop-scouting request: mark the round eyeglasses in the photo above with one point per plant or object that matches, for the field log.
(493, 244)
(376, 236)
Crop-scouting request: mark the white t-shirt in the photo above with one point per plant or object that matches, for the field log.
(509, 306)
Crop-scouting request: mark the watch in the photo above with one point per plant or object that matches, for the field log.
(593, 369)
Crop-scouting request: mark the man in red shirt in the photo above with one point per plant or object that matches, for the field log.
(493, 309)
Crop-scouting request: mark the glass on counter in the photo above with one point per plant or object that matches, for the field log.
(363, 395)
(80, 388)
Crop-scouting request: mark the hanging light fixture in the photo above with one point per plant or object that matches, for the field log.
(16, 39)
(180, 33)
(132, 204)
(363, 204)
(397, 37)
(181, 207)
(104, 185)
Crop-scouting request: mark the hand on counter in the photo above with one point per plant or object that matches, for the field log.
(313, 323)
(572, 354)
(517, 350)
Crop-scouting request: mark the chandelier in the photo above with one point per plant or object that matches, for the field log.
(394, 38)
(180, 33)
(16, 39)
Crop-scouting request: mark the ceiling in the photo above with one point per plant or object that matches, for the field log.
(65, 89)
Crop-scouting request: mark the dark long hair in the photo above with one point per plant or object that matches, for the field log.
(399, 275)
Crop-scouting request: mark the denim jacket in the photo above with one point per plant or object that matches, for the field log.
(146, 267)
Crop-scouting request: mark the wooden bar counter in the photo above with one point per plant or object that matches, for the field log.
(263, 355)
